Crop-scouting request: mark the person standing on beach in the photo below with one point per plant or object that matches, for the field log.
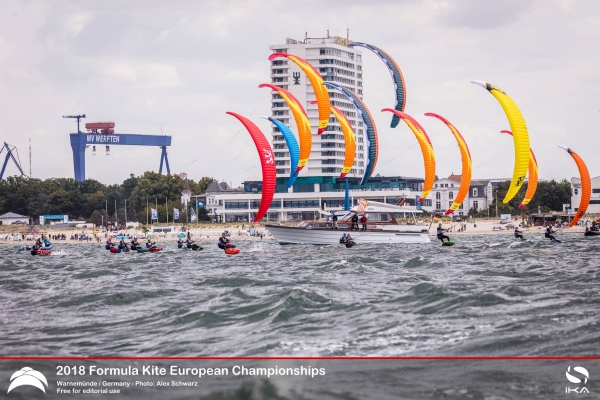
(334, 219)
(354, 222)
(363, 221)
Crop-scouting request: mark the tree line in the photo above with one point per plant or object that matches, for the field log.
(94, 201)
(549, 196)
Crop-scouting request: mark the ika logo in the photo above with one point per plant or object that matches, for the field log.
(581, 376)
(27, 376)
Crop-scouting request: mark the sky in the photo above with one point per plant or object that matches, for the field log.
(178, 66)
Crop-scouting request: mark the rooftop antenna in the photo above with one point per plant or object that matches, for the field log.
(29, 158)
(328, 31)
(347, 32)
(78, 119)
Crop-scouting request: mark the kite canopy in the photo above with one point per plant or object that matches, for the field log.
(349, 140)
(292, 145)
(467, 166)
(520, 137)
(302, 124)
(426, 149)
(267, 163)
(532, 180)
(317, 84)
(397, 78)
(586, 185)
(371, 140)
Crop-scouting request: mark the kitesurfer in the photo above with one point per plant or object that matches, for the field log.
(109, 243)
(179, 243)
(549, 232)
(224, 242)
(122, 244)
(134, 243)
(440, 233)
(354, 221)
(189, 242)
(519, 234)
(349, 241)
(343, 239)
(149, 244)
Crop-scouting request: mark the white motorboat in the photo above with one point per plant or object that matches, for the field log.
(382, 227)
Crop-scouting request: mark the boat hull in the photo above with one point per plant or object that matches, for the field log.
(297, 235)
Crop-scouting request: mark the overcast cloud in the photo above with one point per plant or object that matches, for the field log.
(183, 64)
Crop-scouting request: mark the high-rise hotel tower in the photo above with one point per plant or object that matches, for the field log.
(337, 63)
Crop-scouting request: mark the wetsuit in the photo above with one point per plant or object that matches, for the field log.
(549, 233)
(179, 244)
(518, 234)
(441, 236)
(223, 243)
(343, 239)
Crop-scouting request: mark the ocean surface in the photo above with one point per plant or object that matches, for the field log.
(487, 295)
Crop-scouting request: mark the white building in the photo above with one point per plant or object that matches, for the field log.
(337, 63)
(10, 217)
(226, 204)
(594, 207)
(480, 195)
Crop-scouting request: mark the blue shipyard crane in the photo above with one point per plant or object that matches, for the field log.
(10, 154)
(103, 133)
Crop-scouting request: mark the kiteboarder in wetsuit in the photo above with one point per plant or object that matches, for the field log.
(343, 239)
(440, 233)
(224, 242)
(518, 234)
(134, 243)
(549, 232)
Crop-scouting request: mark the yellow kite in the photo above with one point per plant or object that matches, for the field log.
(426, 149)
(316, 81)
(520, 137)
(467, 166)
(532, 180)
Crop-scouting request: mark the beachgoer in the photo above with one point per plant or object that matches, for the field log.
(354, 221)
(334, 219)
(440, 233)
(363, 221)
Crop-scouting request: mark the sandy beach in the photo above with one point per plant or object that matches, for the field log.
(212, 233)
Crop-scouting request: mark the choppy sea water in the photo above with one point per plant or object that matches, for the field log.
(487, 295)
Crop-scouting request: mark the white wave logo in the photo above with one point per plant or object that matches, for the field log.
(27, 376)
(574, 379)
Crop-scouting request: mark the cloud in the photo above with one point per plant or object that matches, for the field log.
(477, 14)
(184, 64)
